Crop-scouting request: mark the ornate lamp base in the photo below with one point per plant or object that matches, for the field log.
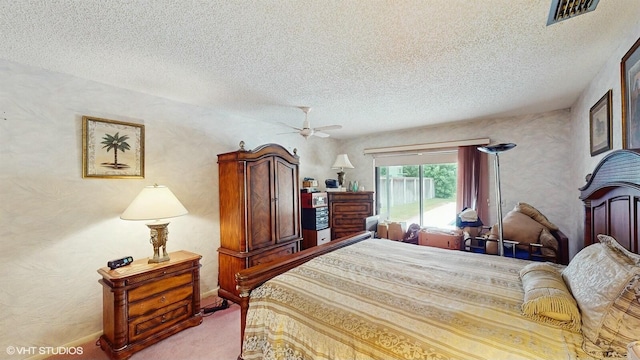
(341, 178)
(159, 238)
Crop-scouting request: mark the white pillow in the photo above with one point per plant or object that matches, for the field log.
(597, 278)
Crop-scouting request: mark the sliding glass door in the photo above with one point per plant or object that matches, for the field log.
(423, 194)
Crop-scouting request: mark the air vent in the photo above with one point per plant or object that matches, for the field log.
(565, 9)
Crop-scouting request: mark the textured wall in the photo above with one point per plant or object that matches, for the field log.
(57, 229)
(535, 171)
(583, 163)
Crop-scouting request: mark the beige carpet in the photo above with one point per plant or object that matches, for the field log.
(218, 337)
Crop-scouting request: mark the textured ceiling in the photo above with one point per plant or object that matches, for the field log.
(368, 65)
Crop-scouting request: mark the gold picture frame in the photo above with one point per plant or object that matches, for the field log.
(600, 125)
(112, 149)
(630, 77)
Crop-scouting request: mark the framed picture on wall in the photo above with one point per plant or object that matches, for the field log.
(630, 76)
(600, 125)
(112, 149)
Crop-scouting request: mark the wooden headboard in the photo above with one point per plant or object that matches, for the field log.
(612, 199)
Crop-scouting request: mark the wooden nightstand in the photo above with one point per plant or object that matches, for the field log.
(145, 303)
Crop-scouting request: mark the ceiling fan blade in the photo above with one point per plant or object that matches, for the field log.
(329, 127)
(320, 134)
(287, 125)
(290, 132)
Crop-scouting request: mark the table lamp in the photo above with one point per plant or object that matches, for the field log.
(342, 161)
(495, 150)
(155, 202)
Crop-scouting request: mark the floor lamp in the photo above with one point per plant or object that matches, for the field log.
(496, 150)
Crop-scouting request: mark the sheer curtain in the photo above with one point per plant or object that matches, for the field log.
(473, 181)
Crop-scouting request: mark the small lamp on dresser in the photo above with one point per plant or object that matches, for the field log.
(342, 162)
(157, 203)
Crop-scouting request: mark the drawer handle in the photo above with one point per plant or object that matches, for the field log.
(163, 318)
(163, 299)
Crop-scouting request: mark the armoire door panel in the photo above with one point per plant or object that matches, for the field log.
(288, 203)
(259, 204)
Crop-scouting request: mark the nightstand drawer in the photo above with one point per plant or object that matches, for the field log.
(148, 305)
(156, 287)
(156, 273)
(159, 320)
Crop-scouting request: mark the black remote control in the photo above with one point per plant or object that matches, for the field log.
(114, 264)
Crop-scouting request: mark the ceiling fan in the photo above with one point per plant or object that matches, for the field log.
(307, 130)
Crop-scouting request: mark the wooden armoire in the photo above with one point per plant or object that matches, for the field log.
(259, 210)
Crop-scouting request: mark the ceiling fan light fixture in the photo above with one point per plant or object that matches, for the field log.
(307, 131)
(566, 9)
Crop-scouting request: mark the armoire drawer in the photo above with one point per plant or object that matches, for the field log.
(273, 254)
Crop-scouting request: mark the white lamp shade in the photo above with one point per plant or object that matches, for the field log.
(154, 202)
(342, 161)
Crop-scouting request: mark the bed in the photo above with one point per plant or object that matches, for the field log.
(365, 298)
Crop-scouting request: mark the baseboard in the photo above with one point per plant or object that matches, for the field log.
(95, 336)
(213, 292)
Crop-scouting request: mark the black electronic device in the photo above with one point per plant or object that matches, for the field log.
(114, 264)
(331, 183)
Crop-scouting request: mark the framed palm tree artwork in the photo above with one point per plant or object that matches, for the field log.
(112, 149)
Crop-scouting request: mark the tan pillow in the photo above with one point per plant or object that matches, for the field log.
(546, 297)
(548, 241)
(518, 227)
(535, 215)
(623, 255)
(605, 282)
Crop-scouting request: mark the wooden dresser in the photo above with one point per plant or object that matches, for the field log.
(145, 303)
(259, 210)
(348, 211)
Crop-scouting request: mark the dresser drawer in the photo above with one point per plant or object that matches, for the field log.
(273, 254)
(346, 221)
(352, 208)
(145, 326)
(152, 303)
(344, 232)
(356, 196)
(159, 286)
